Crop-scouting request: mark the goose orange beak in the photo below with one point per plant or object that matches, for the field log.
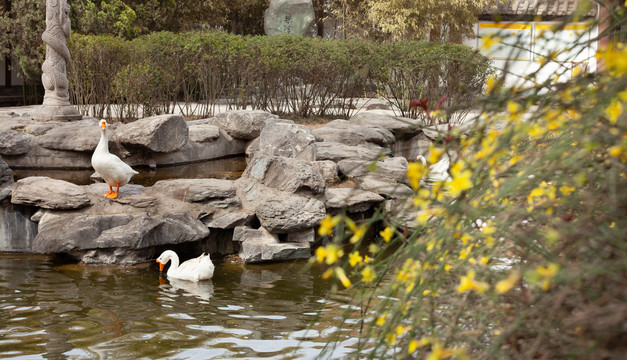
(160, 265)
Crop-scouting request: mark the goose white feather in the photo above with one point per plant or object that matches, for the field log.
(114, 171)
(437, 171)
(200, 268)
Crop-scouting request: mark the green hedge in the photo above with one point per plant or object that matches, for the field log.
(197, 71)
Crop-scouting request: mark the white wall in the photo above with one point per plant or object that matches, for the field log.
(535, 40)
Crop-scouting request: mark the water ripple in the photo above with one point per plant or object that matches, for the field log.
(81, 312)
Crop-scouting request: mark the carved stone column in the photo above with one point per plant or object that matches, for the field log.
(56, 105)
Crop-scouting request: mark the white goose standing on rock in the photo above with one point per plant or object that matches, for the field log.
(114, 171)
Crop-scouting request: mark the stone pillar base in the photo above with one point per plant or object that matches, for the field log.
(57, 113)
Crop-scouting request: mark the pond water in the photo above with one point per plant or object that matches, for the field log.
(51, 310)
(230, 168)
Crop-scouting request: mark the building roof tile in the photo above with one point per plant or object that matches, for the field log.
(552, 8)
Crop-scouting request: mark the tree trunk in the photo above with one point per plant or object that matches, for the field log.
(318, 6)
(435, 34)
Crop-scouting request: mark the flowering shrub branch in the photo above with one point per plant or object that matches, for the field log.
(521, 252)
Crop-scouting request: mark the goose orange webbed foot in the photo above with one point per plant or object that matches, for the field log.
(111, 194)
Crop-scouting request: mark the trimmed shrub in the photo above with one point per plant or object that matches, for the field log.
(196, 71)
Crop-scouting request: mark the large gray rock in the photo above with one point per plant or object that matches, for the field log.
(410, 148)
(196, 190)
(284, 138)
(15, 142)
(259, 245)
(384, 186)
(399, 126)
(338, 151)
(161, 133)
(60, 233)
(390, 167)
(286, 174)
(203, 133)
(306, 236)
(353, 200)
(80, 135)
(231, 220)
(6, 174)
(290, 213)
(345, 132)
(243, 124)
(328, 169)
(17, 231)
(295, 17)
(49, 193)
(115, 256)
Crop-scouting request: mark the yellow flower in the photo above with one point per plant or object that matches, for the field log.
(465, 238)
(614, 110)
(549, 271)
(437, 352)
(368, 275)
(321, 254)
(327, 274)
(488, 228)
(327, 224)
(373, 248)
(330, 254)
(615, 59)
(515, 159)
(434, 154)
(543, 275)
(354, 258)
(448, 267)
(341, 275)
(415, 172)
(358, 233)
(513, 108)
(543, 193)
(381, 319)
(490, 84)
(615, 151)
(508, 283)
(400, 330)
(536, 131)
(425, 215)
(465, 251)
(566, 189)
(387, 234)
(460, 183)
(468, 283)
(415, 344)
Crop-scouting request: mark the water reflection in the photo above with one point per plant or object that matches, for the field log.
(228, 168)
(202, 290)
(53, 311)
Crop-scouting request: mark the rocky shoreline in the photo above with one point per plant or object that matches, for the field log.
(295, 176)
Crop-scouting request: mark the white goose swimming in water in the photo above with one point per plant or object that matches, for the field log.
(114, 171)
(200, 268)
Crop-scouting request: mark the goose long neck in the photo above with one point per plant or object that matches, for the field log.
(175, 262)
(103, 145)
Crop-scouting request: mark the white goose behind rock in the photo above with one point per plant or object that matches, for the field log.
(114, 171)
